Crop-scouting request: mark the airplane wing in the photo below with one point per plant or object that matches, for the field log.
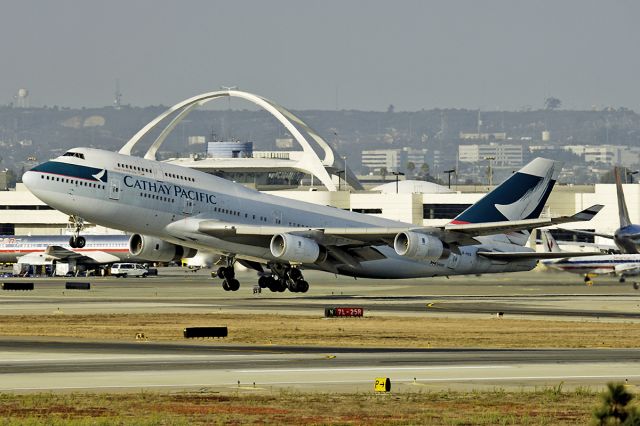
(97, 257)
(458, 234)
(628, 268)
(595, 234)
(519, 255)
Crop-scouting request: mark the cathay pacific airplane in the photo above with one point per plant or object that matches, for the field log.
(175, 211)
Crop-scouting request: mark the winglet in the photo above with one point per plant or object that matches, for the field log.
(586, 214)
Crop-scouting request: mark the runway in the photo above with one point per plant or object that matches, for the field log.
(520, 295)
(37, 365)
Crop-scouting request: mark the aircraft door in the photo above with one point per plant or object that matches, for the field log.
(114, 189)
(187, 207)
(277, 217)
(158, 174)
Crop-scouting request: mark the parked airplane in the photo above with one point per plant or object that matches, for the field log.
(627, 236)
(174, 211)
(622, 265)
(99, 249)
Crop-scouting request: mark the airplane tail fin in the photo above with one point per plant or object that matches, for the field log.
(549, 243)
(623, 213)
(522, 196)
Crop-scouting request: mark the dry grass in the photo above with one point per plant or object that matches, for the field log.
(543, 407)
(306, 330)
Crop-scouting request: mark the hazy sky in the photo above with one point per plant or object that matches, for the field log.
(318, 55)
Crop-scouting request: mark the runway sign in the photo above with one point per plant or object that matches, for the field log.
(192, 332)
(382, 384)
(343, 312)
(17, 286)
(70, 285)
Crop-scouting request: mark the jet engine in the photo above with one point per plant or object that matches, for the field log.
(295, 248)
(418, 246)
(157, 250)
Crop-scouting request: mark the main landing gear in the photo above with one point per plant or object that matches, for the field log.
(282, 278)
(76, 240)
(228, 276)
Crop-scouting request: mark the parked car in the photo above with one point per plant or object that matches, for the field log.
(129, 270)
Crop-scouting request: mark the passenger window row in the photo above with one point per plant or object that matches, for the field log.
(175, 176)
(157, 197)
(136, 168)
(76, 181)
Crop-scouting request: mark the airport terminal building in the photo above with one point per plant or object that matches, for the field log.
(323, 178)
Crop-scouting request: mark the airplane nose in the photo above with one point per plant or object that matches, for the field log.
(29, 179)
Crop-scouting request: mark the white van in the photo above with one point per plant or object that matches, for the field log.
(129, 270)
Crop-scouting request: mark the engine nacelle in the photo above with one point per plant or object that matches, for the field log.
(418, 246)
(157, 250)
(295, 248)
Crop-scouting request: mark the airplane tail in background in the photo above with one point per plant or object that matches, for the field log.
(549, 243)
(522, 196)
(622, 205)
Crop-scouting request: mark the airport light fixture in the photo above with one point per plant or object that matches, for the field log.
(339, 181)
(397, 175)
(629, 176)
(448, 172)
(490, 170)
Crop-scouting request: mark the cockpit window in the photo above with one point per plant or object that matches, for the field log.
(73, 154)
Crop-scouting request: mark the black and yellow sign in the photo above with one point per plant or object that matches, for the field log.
(383, 384)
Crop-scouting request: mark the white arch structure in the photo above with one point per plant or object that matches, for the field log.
(310, 162)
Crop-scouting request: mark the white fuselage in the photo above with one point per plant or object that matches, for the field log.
(168, 202)
(623, 264)
(14, 246)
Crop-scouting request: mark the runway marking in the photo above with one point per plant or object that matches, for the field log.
(317, 382)
(299, 370)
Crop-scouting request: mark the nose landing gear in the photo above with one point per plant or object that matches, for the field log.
(76, 240)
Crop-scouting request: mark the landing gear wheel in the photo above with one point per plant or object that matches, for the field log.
(233, 284)
(295, 274)
(225, 285)
(220, 272)
(302, 286)
(636, 286)
(586, 279)
(226, 272)
(80, 242)
(229, 272)
(622, 280)
(264, 282)
(72, 242)
(273, 285)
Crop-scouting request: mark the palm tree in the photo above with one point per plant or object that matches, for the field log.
(411, 166)
(615, 407)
